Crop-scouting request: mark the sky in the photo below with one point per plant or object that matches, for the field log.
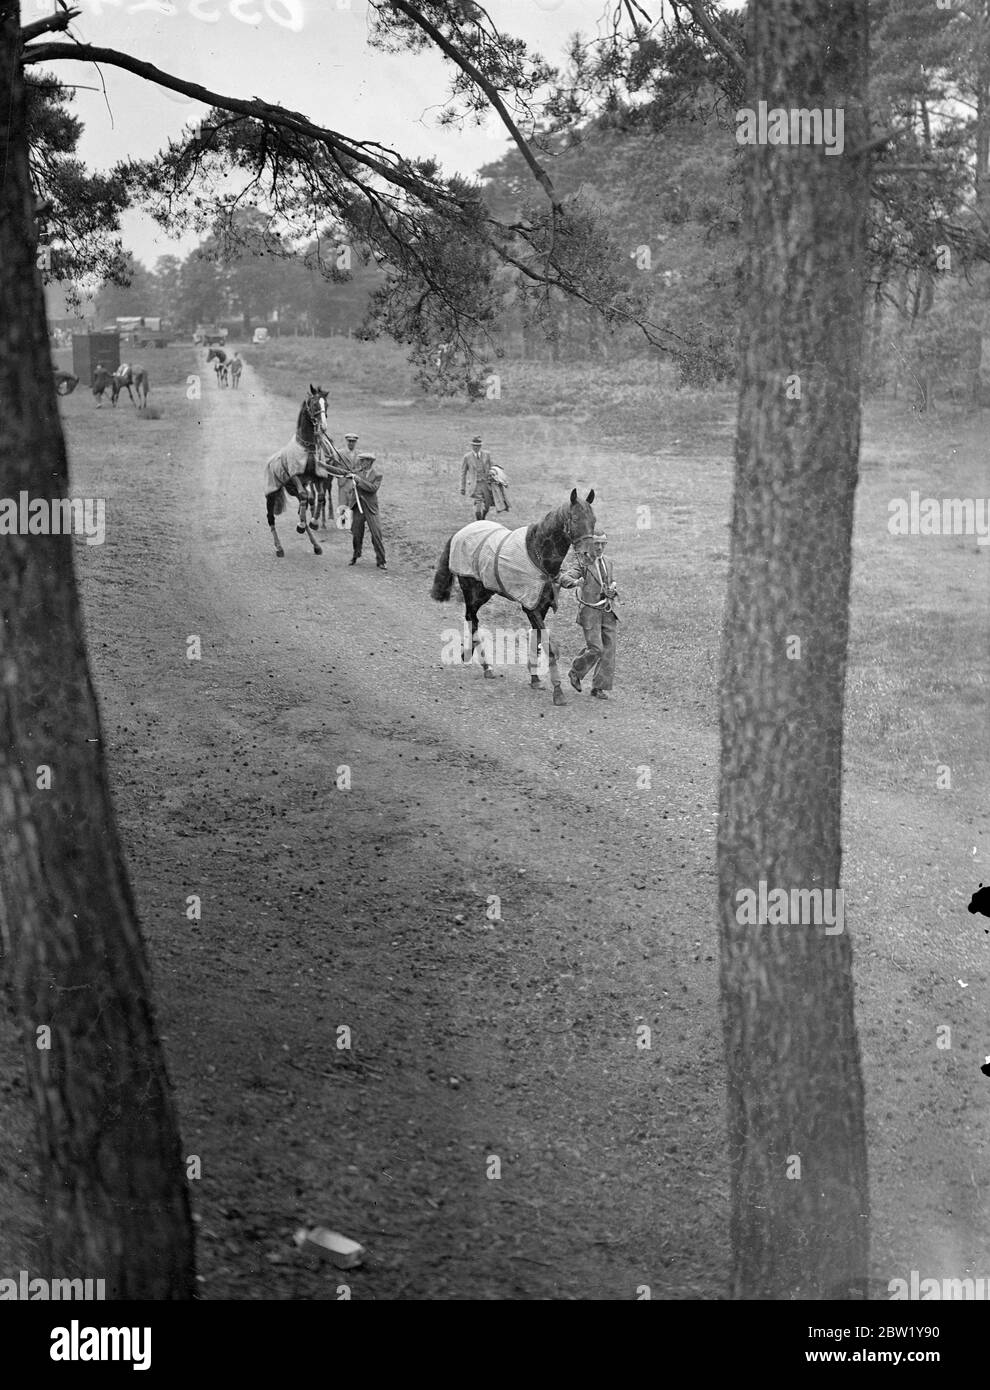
(309, 55)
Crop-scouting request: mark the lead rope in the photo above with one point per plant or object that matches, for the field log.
(328, 443)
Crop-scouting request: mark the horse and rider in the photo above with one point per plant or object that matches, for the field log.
(127, 376)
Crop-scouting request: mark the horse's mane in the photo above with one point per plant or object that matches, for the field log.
(545, 538)
(305, 432)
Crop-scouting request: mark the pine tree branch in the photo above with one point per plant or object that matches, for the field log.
(50, 24)
(255, 109)
(479, 79)
(716, 39)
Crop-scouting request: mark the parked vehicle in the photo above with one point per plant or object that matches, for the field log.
(150, 331)
(209, 334)
(260, 335)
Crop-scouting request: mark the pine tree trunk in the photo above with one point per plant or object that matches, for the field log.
(116, 1205)
(795, 1087)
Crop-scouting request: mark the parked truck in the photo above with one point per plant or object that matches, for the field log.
(209, 334)
(148, 331)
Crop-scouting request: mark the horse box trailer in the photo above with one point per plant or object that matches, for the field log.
(89, 349)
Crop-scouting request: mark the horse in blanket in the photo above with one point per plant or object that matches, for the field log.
(521, 565)
(300, 463)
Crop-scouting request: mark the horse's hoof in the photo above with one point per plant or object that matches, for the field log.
(280, 554)
(313, 526)
(301, 530)
(558, 696)
(489, 674)
(317, 550)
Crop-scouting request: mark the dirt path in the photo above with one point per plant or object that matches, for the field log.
(365, 908)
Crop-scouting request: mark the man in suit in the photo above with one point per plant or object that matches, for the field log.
(348, 459)
(366, 480)
(591, 575)
(476, 469)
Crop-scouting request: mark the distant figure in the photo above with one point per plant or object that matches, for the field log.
(218, 357)
(476, 468)
(236, 366)
(101, 381)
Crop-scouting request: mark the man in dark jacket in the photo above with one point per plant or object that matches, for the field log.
(367, 479)
(476, 470)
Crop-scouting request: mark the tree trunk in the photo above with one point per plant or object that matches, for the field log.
(796, 1129)
(116, 1204)
(974, 346)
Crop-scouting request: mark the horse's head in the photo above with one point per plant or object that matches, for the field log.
(581, 523)
(315, 406)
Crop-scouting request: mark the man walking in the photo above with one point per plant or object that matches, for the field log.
(476, 468)
(366, 480)
(591, 574)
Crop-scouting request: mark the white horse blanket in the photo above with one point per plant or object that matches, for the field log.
(289, 462)
(497, 556)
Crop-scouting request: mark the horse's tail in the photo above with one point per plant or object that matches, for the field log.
(443, 580)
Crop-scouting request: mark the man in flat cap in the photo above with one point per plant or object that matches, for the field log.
(345, 486)
(476, 468)
(366, 480)
(588, 572)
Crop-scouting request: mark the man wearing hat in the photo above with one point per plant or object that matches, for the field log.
(364, 482)
(587, 571)
(476, 467)
(349, 460)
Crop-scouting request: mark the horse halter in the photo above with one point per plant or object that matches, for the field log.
(575, 541)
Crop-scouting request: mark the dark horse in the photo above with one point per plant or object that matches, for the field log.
(220, 365)
(296, 468)
(546, 544)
